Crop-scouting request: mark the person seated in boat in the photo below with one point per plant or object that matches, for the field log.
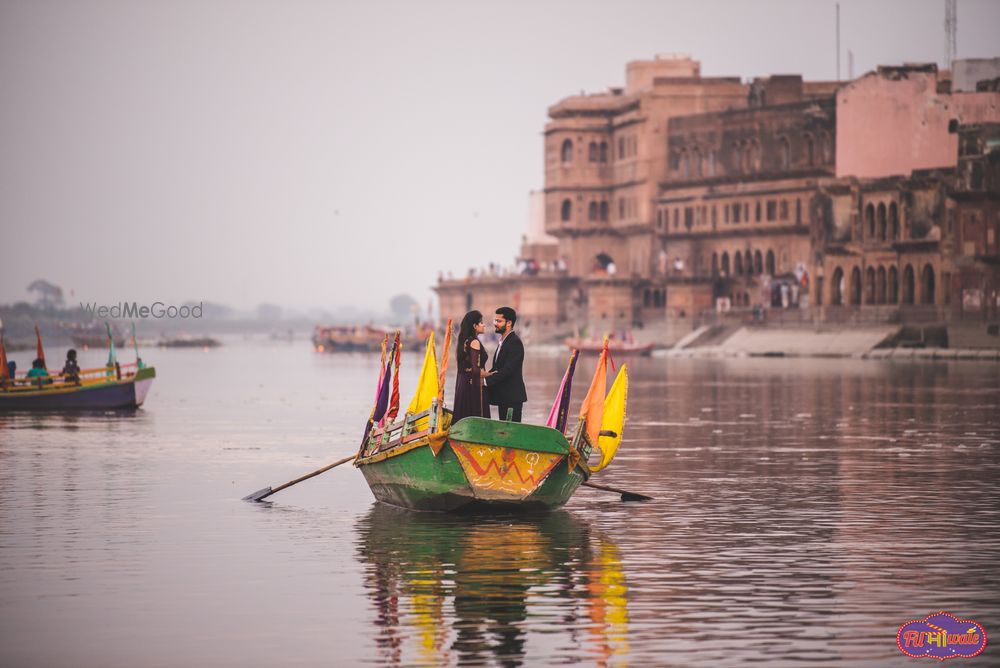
(470, 399)
(12, 370)
(71, 370)
(39, 372)
(505, 382)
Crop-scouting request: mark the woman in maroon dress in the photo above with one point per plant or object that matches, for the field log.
(469, 394)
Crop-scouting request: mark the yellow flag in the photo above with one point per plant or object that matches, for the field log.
(614, 419)
(427, 386)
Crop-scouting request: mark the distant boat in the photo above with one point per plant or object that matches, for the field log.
(189, 342)
(92, 335)
(364, 338)
(103, 388)
(616, 347)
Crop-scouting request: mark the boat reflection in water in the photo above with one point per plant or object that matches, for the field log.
(472, 589)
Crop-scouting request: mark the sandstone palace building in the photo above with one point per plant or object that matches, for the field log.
(681, 200)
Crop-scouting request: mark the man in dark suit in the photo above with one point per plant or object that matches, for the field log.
(505, 381)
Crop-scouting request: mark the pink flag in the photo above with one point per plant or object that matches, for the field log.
(560, 407)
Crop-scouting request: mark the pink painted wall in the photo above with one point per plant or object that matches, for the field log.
(887, 127)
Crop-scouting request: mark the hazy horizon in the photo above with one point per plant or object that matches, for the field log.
(318, 155)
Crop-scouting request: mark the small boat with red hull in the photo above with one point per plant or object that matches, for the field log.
(615, 346)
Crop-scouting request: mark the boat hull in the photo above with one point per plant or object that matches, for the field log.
(475, 469)
(128, 393)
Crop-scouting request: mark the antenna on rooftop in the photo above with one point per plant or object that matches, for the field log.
(950, 32)
(838, 41)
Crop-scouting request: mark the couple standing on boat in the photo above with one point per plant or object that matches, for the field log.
(476, 389)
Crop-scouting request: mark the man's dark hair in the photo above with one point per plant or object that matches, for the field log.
(508, 314)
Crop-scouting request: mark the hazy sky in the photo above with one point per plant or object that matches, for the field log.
(335, 153)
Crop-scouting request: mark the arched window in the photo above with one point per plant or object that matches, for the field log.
(567, 211)
(769, 263)
(737, 158)
(711, 162)
(604, 212)
(748, 263)
(567, 151)
(908, 285)
(798, 211)
(725, 263)
(893, 222)
(685, 165)
(810, 150)
(696, 161)
(870, 220)
(604, 151)
(659, 219)
(893, 290)
(592, 154)
(881, 222)
(758, 263)
(880, 288)
(738, 263)
(592, 211)
(715, 264)
(870, 285)
(927, 285)
(784, 153)
(855, 286)
(757, 213)
(747, 157)
(837, 287)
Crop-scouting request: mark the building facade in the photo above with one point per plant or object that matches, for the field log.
(681, 199)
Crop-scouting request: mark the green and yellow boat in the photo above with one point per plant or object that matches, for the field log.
(424, 462)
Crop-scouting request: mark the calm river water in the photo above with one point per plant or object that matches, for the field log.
(804, 510)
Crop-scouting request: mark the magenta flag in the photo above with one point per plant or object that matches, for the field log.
(560, 407)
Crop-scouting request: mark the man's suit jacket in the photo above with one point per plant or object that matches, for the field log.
(506, 386)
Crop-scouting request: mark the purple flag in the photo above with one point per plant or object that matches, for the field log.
(383, 394)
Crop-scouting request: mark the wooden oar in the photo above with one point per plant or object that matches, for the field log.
(626, 495)
(261, 494)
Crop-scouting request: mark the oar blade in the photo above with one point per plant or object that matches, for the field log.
(632, 496)
(258, 495)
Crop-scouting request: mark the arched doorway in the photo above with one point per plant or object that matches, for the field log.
(738, 263)
(927, 285)
(758, 263)
(893, 286)
(837, 287)
(725, 264)
(880, 287)
(908, 285)
(855, 287)
(870, 286)
(881, 222)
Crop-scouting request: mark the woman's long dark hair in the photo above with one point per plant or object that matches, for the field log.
(466, 332)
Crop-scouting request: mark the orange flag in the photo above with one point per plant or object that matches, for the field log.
(445, 352)
(39, 351)
(4, 371)
(394, 398)
(592, 409)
